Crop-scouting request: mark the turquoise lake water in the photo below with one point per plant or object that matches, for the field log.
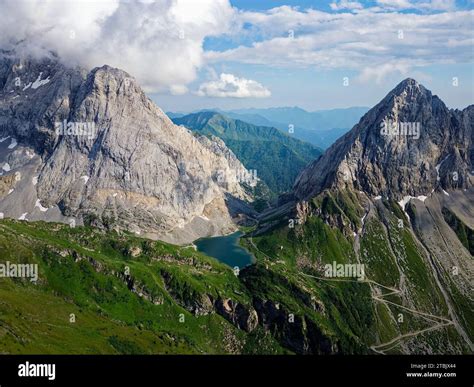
(226, 249)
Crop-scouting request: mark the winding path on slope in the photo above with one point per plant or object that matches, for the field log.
(434, 268)
(427, 316)
(439, 321)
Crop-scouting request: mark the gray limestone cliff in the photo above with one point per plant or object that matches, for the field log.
(91, 147)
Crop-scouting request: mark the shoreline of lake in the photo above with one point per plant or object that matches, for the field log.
(226, 249)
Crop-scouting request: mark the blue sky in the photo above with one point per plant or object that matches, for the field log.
(435, 48)
(230, 54)
(319, 4)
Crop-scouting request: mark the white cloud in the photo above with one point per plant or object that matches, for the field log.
(427, 5)
(345, 4)
(158, 42)
(370, 41)
(379, 73)
(395, 4)
(228, 85)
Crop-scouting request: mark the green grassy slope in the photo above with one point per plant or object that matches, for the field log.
(176, 300)
(163, 306)
(167, 303)
(277, 157)
(401, 296)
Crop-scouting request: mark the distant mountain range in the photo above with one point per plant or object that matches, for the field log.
(277, 157)
(320, 128)
(318, 120)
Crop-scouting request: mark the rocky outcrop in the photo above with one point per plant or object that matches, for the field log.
(200, 304)
(103, 153)
(298, 333)
(242, 316)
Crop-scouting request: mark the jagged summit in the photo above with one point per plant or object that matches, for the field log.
(409, 88)
(405, 100)
(408, 144)
(92, 147)
(408, 84)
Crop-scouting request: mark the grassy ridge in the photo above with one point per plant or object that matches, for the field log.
(169, 301)
(392, 257)
(277, 157)
(81, 272)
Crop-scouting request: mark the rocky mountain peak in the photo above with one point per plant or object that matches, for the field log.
(101, 152)
(409, 144)
(107, 80)
(410, 101)
(409, 86)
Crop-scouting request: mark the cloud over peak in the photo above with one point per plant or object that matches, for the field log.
(165, 44)
(228, 85)
(159, 42)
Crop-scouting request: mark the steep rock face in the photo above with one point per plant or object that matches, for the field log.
(240, 315)
(426, 145)
(131, 167)
(301, 335)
